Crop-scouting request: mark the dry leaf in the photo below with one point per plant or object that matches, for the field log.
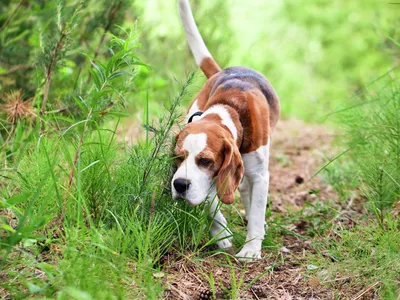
(285, 296)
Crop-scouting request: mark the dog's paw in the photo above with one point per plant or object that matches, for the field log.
(248, 254)
(226, 243)
(222, 236)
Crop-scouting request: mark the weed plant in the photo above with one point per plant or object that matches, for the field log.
(367, 252)
(372, 130)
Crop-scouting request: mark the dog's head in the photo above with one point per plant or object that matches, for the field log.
(206, 154)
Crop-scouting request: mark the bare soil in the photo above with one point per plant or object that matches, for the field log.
(298, 152)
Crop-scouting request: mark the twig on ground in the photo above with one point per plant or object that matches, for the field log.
(255, 295)
(349, 205)
(338, 279)
(182, 294)
(363, 292)
(297, 279)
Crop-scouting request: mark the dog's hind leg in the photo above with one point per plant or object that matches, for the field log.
(256, 170)
(219, 229)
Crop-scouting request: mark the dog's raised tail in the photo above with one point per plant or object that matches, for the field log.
(199, 49)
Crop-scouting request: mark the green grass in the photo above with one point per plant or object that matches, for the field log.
(369, 168)
(113, 223)
(360, 257)
(372, 133)
(116, 229)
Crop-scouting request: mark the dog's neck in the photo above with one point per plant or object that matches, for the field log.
(230, 121)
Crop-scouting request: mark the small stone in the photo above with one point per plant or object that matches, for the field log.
(313, 197)
(299, 179)
(158, 275)
(285, 250)
(312, 267)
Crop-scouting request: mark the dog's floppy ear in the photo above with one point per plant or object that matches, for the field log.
(172, 152)
(230, 173)
(174, 140)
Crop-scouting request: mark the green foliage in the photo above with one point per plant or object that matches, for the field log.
(337, 47)
(369, 252)
(105, 208)
(73, 187)
(372, 130)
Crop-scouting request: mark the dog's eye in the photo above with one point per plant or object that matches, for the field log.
(204, 162)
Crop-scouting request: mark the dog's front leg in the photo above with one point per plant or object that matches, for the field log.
(256, 170)
(245, 193)
(219, 229)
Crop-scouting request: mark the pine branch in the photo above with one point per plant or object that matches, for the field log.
(167, 127)
(16, 68)
(106, 29)
(49, 71)
(108, 26)
(12, 15)
(64, 32)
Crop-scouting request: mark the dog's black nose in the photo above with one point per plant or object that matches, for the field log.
(181, 185)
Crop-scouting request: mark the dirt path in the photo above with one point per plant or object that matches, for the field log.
(298, 150)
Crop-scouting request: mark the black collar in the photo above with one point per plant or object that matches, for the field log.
(199, 113)
(196, 114)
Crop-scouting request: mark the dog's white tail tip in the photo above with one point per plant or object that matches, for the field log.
(199, 49)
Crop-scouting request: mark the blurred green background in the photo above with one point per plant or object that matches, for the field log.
(315, 53)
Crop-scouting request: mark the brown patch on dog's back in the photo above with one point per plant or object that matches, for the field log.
(249, 110)
(253, 100)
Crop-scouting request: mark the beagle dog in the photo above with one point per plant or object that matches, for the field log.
(226, 142)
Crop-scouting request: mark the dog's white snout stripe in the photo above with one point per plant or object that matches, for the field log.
(195, 143)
